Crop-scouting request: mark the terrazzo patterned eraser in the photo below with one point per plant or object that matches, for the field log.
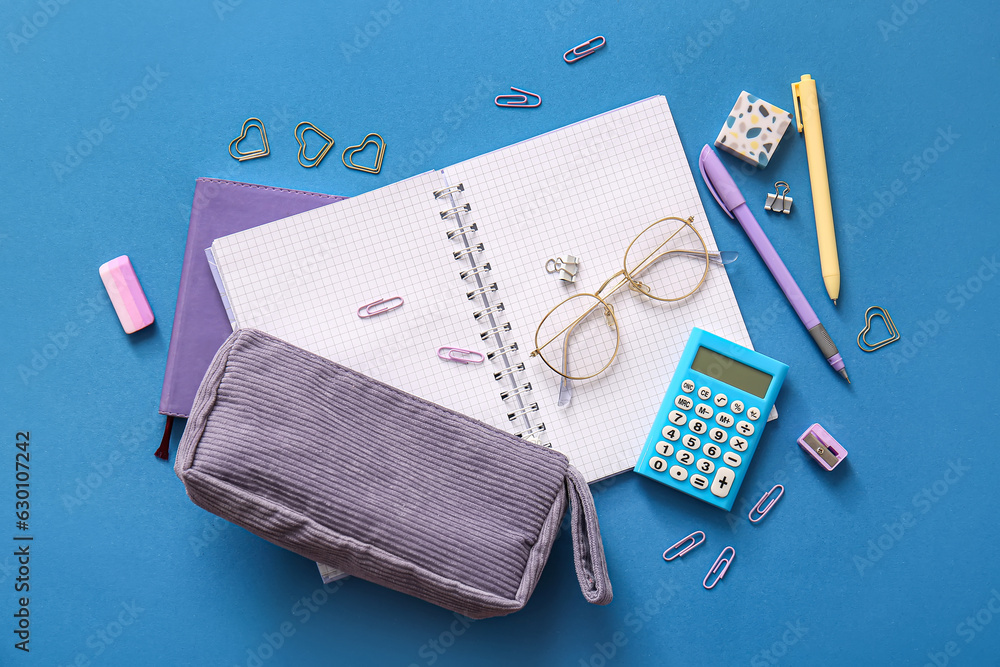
(753, 130)
(126, 294)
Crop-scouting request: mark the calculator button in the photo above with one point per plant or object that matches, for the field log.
(678, 473)
(699, 482)
(704, 411)
(712, 450)
(721, 400)
(718, 435)
(678, 418)
(722, 483)
(685, 457)
(687, 386)
(705, 466)
(724, 419)
(657, 464)
(671, 433)
(745, 428)
(697, 426)
(691, 441)
(704, 393)
(738, 443)
(753, 414)
(664, 448)
(736, 406)
(683, 402)
(732, 459)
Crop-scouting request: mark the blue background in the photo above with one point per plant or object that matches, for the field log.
(879, 562)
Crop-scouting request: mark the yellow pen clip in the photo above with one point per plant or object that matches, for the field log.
(795, 106)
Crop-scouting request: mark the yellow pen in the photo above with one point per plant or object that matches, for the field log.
(807, 118)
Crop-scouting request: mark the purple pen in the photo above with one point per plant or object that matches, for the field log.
(724, 189)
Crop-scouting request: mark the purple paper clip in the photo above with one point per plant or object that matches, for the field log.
(517, 101)
(694, 542)
(387, 305)
(761, 513)
(721, 573)
(460, 355)
(587, 49)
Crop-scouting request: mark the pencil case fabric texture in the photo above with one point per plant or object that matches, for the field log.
(346, 470)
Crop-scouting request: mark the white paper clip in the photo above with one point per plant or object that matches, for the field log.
(372, 309)
(779, 202)
(566, 266)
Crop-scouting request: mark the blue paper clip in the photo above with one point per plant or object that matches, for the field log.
(460, 355)
(715, 568)
(387, 305)
(517, 101)
(587, 49)
(694, 542)
(762, 512)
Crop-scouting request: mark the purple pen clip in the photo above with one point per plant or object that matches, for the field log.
(461, 356)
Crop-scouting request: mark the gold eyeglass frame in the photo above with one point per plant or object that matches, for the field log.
(630, 279)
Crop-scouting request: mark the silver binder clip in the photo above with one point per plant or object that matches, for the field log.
(566, 266)
(779, 202)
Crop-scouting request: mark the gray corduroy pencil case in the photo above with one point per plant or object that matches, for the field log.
(346, 470)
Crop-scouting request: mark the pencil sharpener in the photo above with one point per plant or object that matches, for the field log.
(822, 446)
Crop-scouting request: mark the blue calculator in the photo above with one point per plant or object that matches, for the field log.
(711, 419)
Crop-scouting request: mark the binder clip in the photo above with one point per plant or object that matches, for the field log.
(565, 265)
(779, 202)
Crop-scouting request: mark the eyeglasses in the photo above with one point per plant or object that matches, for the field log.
(667, 261)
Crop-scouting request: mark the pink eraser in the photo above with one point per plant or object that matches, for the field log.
(126, 294)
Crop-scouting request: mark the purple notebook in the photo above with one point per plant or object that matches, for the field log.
(201, 325)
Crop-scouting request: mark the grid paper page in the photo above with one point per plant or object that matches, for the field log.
(303, 279)
(587, 190)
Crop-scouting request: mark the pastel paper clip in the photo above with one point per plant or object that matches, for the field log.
(250, 155)
(381, 306)
(300, 137)
(461, 356)
(683, 546)
(126, 294)
(351, 151)
(722, 561)
(893, 332)
(581, 51)
(761, 513)
(517, 101)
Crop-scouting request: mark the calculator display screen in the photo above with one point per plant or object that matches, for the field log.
(731, 372)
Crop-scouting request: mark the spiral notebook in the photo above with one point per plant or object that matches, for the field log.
(441, 240)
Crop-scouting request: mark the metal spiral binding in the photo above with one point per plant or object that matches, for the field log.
(490, 314)
(479, 291)
(512, 347)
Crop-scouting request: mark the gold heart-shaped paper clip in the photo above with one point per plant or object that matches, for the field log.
(869, 316)
(250, 155)
(300, 137)
(349, 153)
